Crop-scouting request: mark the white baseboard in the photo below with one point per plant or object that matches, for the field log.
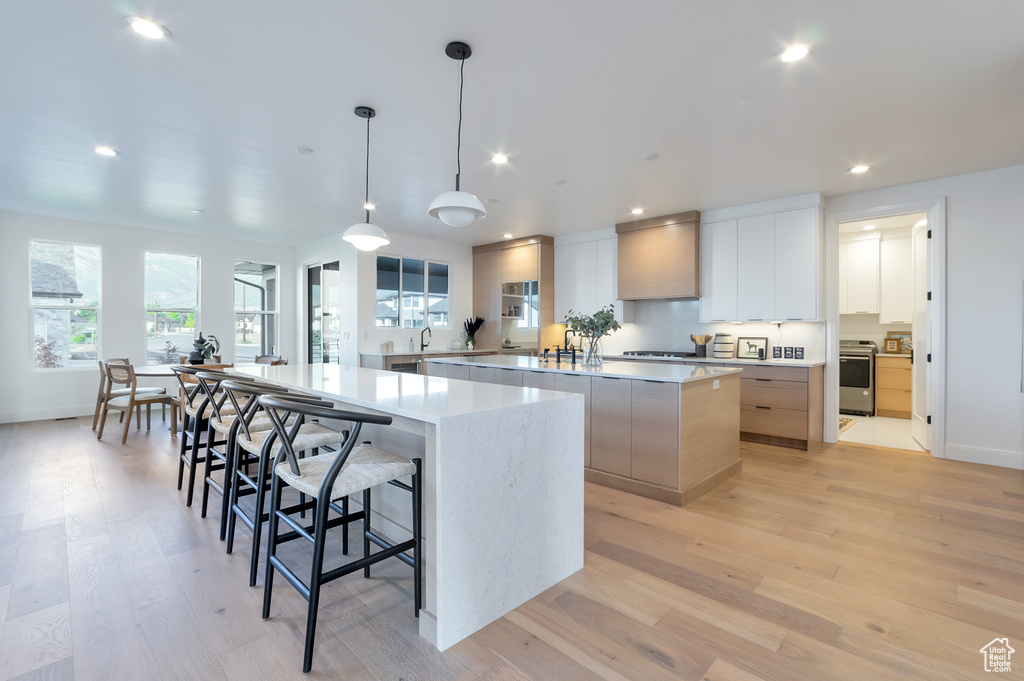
(47, 413)
(991, 457)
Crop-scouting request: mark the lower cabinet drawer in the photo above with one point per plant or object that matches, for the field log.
(888, 399)
(760, 392)
(771, 421)
(508, 376)
(886, 377)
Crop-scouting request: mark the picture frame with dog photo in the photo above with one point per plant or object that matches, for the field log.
(750, 348)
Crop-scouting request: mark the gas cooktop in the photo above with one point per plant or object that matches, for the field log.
(659, 353)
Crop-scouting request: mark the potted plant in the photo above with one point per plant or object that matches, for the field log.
(205, 348)
(592, 328)
(472, 326)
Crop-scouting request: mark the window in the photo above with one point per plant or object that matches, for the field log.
(172, 301)
(255, 310)
(531, 306)
(406, 298)
(65, 304)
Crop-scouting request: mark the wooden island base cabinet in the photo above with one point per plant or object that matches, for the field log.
(782, 405)
(663, 440)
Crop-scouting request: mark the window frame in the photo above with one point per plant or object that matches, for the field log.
(427, 262)
(272, 343)
(33, 307)
(199, 299)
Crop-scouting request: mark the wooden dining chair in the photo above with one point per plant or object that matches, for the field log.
(101, 395)
(124, 375)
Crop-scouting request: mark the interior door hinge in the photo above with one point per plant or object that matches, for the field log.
(929, 234)
(929, 419)
(929, 356)
(929, 295)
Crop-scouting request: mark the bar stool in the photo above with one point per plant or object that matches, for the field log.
(196, 410)
(328, 478)
(252, 445)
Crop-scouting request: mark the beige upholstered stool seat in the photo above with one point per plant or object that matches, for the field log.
(310, 435)
(140, 398)
(366, 467)
(258, 424)
(191, 409)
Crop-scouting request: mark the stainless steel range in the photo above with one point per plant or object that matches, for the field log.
(659, 353)
(857, 377)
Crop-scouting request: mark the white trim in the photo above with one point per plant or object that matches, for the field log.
(990, 457)
(936, 209)
(47, 413)
(774, 206)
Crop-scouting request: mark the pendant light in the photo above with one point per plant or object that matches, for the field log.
(458, 208)
(366, 236)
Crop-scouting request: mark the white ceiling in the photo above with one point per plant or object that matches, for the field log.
(577, 90)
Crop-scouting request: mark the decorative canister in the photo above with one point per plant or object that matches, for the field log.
(723, 346)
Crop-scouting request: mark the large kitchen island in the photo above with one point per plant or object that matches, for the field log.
(667, 432)
(502, 484)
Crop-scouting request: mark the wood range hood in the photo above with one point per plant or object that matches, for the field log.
(660, 257)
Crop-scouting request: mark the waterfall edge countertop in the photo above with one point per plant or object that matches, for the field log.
(500, 464)
(670, 373)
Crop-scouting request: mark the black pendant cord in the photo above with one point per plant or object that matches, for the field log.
(458, 146)
(366, 195)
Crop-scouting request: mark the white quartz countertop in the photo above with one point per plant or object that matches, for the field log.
(434, 351)
(414, 396)
(715, 360)
(672, 373)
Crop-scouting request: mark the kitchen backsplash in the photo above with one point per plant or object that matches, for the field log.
(667, 325)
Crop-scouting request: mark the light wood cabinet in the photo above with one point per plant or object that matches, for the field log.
(504, 376)
(893, 386)
(896, 281)
(719, 277)
(655, 432)
(458, 371)
(513, 262)
(436, 369)
(581, 385)
(544, 380)
(659, 257)
(481, 374)
(858, 276)
(487, 297)
(782, 405)
(520, 263)
(611, 428)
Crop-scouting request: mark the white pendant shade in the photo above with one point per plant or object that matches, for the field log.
(366, 236)
(457, 209)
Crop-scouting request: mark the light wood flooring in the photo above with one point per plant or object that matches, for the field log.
(847, 562)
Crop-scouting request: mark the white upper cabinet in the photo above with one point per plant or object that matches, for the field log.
(896, 290)
(586, 279)
(762, 262)
(718, 271)
(755, 267)
(797, 245)
(858, 277)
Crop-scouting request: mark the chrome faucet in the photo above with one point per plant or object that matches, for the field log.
(429, 333)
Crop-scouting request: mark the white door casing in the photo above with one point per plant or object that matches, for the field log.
(921, 333)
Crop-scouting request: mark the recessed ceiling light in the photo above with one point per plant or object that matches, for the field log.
(794, 52)
(147, 28)
(508, 236)
(499, 158)
(869, 226)
(197, 211)
(650, 157)
(637, 211)
(304, 150)
(859, 169)
(105, 151)
(921, 223)
(491, 201)
(559, 182)
(368, 206)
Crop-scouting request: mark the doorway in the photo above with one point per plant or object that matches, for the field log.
(916, 234)
(323, 313)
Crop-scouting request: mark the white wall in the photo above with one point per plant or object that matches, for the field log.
(985, 272)
(31, 394)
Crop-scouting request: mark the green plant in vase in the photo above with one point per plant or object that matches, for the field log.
(592, 328)
(472, 326)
